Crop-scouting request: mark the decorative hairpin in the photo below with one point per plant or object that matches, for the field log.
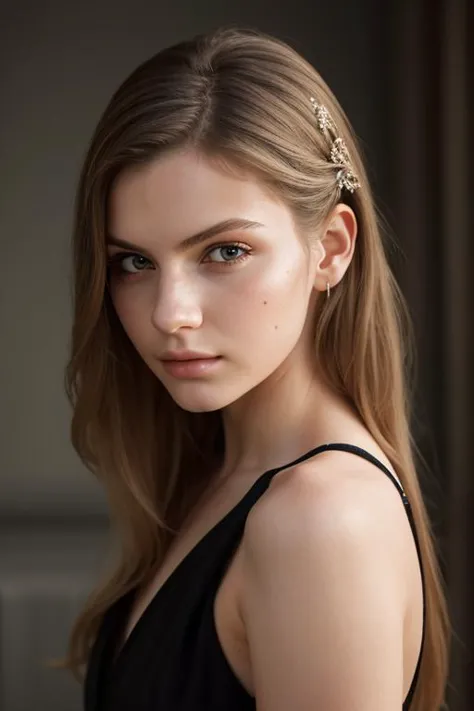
(345, 177)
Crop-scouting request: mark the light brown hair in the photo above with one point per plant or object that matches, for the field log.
(242, 98)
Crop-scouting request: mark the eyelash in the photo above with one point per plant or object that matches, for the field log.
(115, 260)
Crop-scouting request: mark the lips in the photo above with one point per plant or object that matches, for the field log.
(192, 367)
(186, 356)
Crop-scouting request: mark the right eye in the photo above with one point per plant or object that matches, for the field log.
(136, 261)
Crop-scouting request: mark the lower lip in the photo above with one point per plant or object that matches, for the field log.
(190, 368)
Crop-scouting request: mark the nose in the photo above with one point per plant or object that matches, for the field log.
(176, 305)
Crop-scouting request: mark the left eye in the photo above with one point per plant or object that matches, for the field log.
(229, 253)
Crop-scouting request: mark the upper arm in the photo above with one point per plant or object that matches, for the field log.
(323, 600)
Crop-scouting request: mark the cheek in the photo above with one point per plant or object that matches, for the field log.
(270, 308)
(129, 313)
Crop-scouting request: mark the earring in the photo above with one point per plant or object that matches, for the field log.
(328, 289)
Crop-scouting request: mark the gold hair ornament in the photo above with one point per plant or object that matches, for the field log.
(346, 178)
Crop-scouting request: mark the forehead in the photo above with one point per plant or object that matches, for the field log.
(183, 192)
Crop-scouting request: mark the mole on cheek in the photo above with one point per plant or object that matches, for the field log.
(264, 302)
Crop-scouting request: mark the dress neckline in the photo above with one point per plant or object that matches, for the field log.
(123, 606)
(104, 665)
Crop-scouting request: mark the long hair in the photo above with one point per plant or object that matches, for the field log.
(242, 98)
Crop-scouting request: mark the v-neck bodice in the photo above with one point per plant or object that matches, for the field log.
(172, 659)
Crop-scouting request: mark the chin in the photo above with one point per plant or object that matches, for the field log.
(198, 408)
(209, 395)
(197, 402)
(203, 399)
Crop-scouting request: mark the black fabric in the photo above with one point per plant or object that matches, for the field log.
(172, 660)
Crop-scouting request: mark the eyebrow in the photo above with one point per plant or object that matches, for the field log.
(234, 223)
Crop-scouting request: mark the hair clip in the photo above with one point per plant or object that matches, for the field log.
(339, 155)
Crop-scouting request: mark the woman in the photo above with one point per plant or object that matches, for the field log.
(238, 382)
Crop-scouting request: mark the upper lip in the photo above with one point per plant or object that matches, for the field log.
(185, 355)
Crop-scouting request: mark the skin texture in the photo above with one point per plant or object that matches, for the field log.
(329, 591)
(255, 313)
(324, 600)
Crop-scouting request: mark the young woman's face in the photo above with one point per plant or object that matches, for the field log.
(242, 294)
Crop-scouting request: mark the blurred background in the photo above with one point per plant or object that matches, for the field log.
(400, 70)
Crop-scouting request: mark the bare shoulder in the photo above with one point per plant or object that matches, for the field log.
(323, 578)
(330, 500)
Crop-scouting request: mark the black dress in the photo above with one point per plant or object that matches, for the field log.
(172, 660)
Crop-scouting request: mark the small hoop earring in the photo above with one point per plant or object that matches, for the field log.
(328, 289)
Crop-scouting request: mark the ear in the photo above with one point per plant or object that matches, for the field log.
(335, 246)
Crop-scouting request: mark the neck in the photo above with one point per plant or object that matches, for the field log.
(288, 414)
